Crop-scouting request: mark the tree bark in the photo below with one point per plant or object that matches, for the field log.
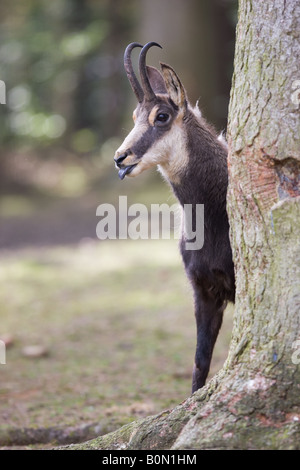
(254, 401)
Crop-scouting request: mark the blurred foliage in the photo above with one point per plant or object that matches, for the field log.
(58, 61)
(67, 94)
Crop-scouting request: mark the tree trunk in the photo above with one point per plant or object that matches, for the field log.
(254, 401)
(201, 48)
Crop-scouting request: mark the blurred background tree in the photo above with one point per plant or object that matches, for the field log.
(68, 99)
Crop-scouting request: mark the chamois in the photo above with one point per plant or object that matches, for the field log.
(172, 134)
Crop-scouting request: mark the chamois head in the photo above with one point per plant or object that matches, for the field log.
(158, 136)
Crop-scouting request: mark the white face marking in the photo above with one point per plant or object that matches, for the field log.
(140, 127)
(169, 152)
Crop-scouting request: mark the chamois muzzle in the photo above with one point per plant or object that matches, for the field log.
(118, 160)
(143, 91)
(123, 170)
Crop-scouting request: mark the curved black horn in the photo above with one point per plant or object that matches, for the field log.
(149, 93)
(136, 87)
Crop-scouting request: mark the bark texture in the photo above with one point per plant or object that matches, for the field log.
(254, 402)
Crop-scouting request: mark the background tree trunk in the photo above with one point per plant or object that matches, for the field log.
(198, 41)
(254, 401)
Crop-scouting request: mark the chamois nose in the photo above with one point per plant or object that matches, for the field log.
(120, 158)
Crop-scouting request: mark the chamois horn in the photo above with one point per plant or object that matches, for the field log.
(148, 92)
(135, 85)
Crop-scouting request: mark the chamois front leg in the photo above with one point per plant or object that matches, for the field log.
(209, 316)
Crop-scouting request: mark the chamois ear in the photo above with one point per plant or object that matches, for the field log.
(173, 85)
(156, 80)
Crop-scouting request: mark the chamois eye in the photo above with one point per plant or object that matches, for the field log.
(162, 117)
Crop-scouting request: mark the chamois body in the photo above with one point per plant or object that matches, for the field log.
(210, 269)
(169, 133)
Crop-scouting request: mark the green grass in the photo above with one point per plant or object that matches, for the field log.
(116, 318)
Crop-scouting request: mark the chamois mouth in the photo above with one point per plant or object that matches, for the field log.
(126, 171)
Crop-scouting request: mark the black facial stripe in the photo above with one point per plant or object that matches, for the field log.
(173, 104)
(150, 136)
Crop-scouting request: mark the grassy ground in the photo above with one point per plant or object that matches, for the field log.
(115, 323)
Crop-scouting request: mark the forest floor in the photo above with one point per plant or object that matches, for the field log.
(99, 333)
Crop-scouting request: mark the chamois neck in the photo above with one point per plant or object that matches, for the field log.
(204, 179)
